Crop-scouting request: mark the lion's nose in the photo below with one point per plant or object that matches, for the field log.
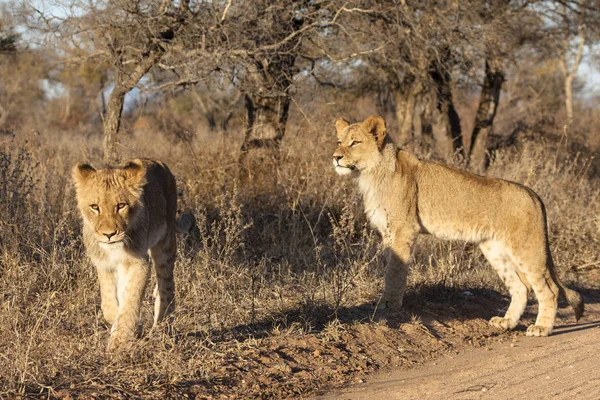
(337, 158)
(109, 235)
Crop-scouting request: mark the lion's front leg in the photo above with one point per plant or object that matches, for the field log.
(107, 277)
(131, 284)
(397, 254)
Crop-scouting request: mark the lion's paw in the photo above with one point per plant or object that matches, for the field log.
(537, 331)
(119, 342)
(114, 345)
(502, 323)
(389, 303)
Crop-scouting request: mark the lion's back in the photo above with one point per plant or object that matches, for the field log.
(465, 206)
(160, 191)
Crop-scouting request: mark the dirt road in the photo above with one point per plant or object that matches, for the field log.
(565, 365)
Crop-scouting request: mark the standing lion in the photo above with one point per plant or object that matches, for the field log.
(404, 196)
(129, 213)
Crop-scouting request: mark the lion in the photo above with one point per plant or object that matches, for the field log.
(128, 213)
(404, 196)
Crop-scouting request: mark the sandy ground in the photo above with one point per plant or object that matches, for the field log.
(565, 365)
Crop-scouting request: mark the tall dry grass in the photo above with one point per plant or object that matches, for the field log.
(278, 255)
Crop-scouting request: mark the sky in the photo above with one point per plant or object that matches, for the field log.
(591, 75)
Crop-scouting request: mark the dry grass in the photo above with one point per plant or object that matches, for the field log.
(275, 261)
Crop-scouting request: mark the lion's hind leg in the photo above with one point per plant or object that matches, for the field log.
(534, 264)
(518, 286)
(163, 256)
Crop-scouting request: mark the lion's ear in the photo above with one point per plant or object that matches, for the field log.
(82, 172)
(376, 127)
(341, 124)
(135, 172)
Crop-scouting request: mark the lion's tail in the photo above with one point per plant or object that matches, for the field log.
(186, 223)
(574, 299)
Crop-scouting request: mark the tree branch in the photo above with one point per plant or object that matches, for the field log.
(226, 11)
(580, 48)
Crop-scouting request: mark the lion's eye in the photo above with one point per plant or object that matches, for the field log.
(339, 142)
(121, 206)
(94, 207)
(354, 144)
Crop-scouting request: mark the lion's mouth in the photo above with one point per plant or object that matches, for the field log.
(351, 167)
(112, 241)
(345, 169)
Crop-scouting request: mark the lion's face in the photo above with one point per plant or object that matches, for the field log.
(109, 199)
(359, 145)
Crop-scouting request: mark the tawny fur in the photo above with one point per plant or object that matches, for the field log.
(404, 196)
(128, 215)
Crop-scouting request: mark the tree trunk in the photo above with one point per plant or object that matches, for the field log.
(570, 73)
(569, 98)
(405, 103)
(282, 118)
(440, 124)
(446, 122)
(112, 120)
(67, 112)
(208, 112)
(3, 117)
(250, 118)
(231, 107)
(486, 112)
(272, 115)
(423, 121)
(417, 123)
(102, 96)
(123, 84)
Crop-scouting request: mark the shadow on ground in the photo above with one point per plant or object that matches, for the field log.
(426, 304)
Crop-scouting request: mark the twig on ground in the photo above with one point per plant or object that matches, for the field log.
(592, 265)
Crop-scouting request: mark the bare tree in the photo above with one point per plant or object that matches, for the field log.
(569, 67)
(262, 41)
(486, 111)
(420, 49)
(131, 36)
(444, 118)
(413, 54)
(8, 50)
(21, 70)
(567, 27)
(254, 44)
(502, 28)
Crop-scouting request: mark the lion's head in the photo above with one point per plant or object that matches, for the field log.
(359, 145)
(110, 199)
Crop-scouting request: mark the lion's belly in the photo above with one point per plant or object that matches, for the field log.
(454, 230)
